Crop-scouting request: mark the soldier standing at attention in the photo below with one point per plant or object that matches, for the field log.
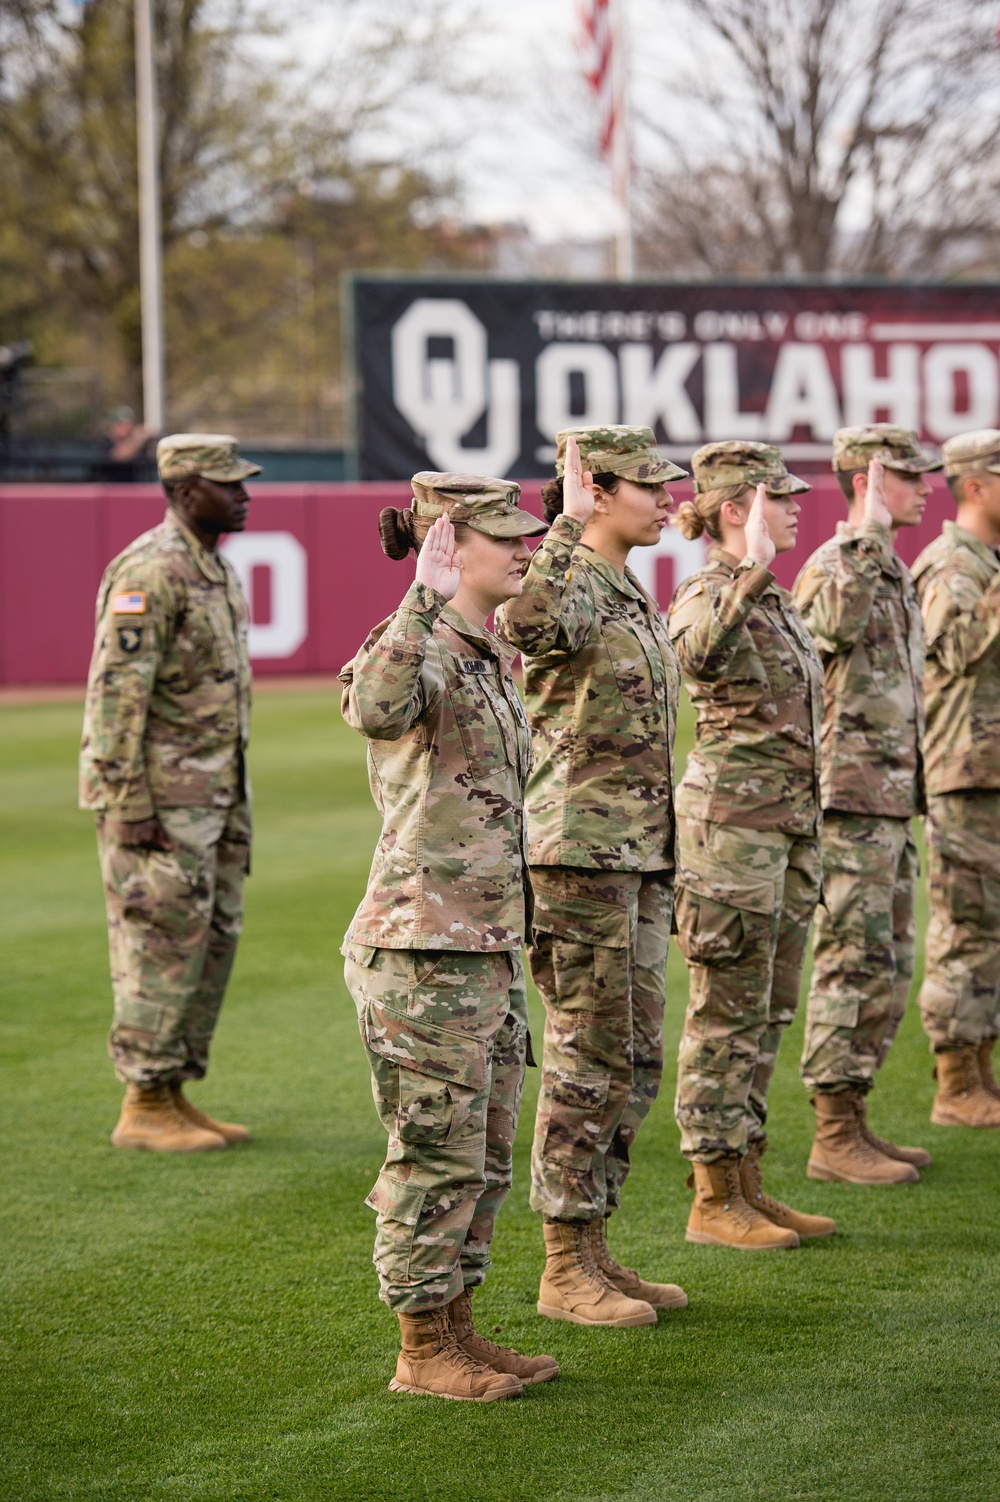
(433, 953)
(858, 599)
(601, 688)
(958, 582)
(162, 763)
(749, 825)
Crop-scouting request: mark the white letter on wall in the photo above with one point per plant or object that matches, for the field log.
(802, 394)
(865, 393)
(941, 365)
(285, 557)
(553, 368)
(723, 418)
(648, 393)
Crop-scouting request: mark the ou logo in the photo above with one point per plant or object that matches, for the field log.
(284, 558)
(443, 383)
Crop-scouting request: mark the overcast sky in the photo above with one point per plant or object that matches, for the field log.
(531, 156)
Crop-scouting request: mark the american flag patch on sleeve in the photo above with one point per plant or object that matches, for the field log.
(129, 604)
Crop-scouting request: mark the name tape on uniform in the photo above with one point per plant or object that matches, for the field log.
(129, 604)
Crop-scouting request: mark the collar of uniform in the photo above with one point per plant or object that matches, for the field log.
(483, 639)
(887, 557)
(717, 554)
(626, 584)
(955, 533)
(208, 561)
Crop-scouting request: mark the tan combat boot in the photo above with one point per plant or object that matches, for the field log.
(962, 1099)
(659, 1295)
(574, 1289)
(840, 1151)
(720, 1215)
(918, 1156)
(226, 1129)
(985, 1055)
(150, 1120)
(528, 1369)
(780, 1215)
(433, 1364)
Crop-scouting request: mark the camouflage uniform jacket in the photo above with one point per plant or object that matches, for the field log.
(168, 698)
(601, 684)
(756, 682)
(449, 751)
(958, 581)
(858, 601)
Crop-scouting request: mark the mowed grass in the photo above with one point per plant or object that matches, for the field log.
(208, 1328)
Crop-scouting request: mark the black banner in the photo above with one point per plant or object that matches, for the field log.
(456, 374)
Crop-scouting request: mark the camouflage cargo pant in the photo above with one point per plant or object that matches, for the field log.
(960, 996)
(446, 1036)
(863, 954)
(598, 957)
(174, 918)
(745, 901)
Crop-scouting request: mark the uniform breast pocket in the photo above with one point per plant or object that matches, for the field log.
(629, 663)
(481, 723)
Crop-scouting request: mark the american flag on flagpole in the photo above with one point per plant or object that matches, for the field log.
(602, 42)
(597, 44)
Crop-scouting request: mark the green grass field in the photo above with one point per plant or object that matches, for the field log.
(209, 1329)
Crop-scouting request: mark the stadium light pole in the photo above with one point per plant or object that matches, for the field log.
(621, 146)
(150, 236)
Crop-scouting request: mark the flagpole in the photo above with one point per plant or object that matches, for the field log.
(621, 147)
(150, 236)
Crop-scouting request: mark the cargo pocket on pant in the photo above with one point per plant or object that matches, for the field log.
(714, 932)
(576, 1112)
(437, 1072)
(965, 896)
(399, 1206)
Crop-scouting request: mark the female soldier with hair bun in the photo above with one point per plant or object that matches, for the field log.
(748, 822)
(432, 955)
(601, 686)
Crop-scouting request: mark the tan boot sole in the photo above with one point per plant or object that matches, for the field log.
(940, 1117)
(144, 1144)
(453, 1397)
(830, 1176)
(704, 1238)
(627, 1321)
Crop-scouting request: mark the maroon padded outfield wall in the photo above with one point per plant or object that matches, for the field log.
(310, 560)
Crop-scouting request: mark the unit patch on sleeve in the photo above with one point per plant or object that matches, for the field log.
(690, 594)
(130, 638)
(129, 604)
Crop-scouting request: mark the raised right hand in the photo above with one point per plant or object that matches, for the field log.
(143, 834)
(438, 565)
(875, 508)
(757, 539)
(578, 486)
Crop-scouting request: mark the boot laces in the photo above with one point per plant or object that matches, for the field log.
(587, 1260)
(736, 1202)
(451, 1346)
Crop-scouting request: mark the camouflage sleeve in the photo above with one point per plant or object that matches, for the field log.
(962, 623)
(555, 609)
(706, 622)
(136, 611)
(836, 594)
(390, 684)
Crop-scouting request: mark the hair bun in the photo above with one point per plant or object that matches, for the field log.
(395, 529)
(688, 520)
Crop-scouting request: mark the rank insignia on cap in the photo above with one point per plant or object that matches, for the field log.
(130, 638)
(129, 604)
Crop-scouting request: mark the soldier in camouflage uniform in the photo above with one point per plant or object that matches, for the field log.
(601, 689)
(748, 824)
(163, 765)
(432, 955)
(958, 582)
(858, 599)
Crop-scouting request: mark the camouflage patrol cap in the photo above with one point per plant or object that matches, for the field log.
(898, 448)
(625, 451)
(971, 451)
(741, 461)
(483, 503)
(214, 456)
